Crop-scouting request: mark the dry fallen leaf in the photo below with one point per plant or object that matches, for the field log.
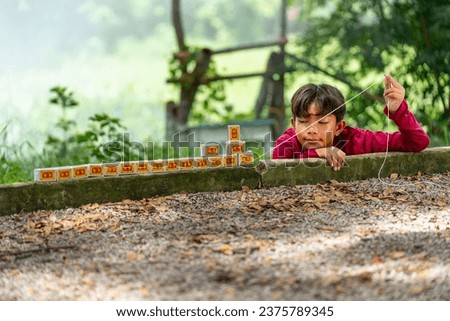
(144, 291)
(394, 176)
(321, 199)
(30, 225)
(389, 191)
(226, 249)
(16, 273)
(364, 231)
(396, 254)
(133, 256)
(416, 289)
(203, 238)
(278, 206)
(262, 201)
(377, 260)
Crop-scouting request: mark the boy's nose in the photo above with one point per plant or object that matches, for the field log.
(312, 129)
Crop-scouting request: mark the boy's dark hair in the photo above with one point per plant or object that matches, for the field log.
(326, 97)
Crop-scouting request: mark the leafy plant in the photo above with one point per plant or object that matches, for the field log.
(14, 165)
(74, 147)
(210, 104)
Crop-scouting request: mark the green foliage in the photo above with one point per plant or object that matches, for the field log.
(231, 22)
(73, 147)
(358, 41)
(63, 98)
(210, 104)
(14, 166)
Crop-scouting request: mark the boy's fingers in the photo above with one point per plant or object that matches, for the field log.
(335, 161)
(335, 164)
(387, 85)
(332, 162)
(338, 160)
(393, 93)
(335, 158)
(388, 81)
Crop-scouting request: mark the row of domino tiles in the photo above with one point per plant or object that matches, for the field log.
(210, 158)
(141, 167)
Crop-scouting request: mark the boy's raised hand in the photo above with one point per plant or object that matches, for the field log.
(394, 93)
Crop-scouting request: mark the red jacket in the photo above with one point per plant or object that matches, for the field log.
(353, 141)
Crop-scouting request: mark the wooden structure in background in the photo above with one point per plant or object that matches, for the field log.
(271, 92)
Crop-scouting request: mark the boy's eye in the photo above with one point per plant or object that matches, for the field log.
(323, 122)
(301, 121)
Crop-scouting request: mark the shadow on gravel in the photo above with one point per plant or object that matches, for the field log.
(407, 266)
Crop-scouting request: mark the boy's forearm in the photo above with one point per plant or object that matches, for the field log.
(412, 136)
(404, 118)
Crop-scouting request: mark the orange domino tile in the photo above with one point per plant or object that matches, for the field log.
(142, 167)
(127, 168)
(172, 165)
(230, 160)
(234, 132)
(201, 163)
(209, 149)
(157, 166)
(95, 170)
(111, 169)
(246, 159)
(186, 164)
(45, 174)
(64, 174)
(80, 171)
(235, 147)
(215, 162)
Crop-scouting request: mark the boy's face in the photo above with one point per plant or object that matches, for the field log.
(316, 131)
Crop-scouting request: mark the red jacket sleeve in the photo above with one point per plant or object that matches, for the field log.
(410, 137)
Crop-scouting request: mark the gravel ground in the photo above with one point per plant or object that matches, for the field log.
(365, 240)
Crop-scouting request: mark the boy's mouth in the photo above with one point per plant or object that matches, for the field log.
(312, 144)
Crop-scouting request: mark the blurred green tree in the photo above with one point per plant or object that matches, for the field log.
(356, 41)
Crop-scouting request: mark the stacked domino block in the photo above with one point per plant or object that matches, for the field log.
(234, 155)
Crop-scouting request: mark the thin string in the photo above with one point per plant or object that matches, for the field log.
(388, 103)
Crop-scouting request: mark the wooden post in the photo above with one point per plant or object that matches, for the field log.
(272, 88)
(178, 115)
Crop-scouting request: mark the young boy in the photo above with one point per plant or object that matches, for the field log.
(319, 129)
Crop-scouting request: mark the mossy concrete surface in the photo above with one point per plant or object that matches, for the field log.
(313, 171)
(56, 195)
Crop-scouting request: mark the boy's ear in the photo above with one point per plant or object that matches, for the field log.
(293, 122)
(340, 127)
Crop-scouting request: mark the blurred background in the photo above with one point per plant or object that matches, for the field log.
(75, 74)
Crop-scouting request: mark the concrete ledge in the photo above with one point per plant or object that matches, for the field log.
(56, 195)
(35, 196)
(313, 171)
